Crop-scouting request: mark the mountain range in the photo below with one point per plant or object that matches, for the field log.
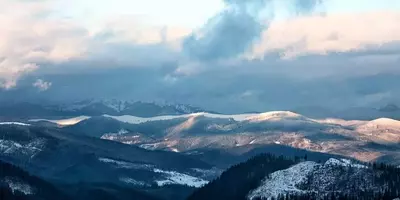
(117, 107)
(137, 150)
(374, 140)
(93, 107)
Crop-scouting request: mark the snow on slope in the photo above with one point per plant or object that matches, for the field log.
(29, 149)
(253, 117)
(113, 136)
(385, 122)
(284, 181)
(272, 116)
(126, 165)
(138, 120)
(294, 179)
(341, 122)
(18, 186)
(381, 130)
(177, 178)
(132, 181)
(14, 123)
(63, 122)
(344, 163)
(275, 116)
(167, 177)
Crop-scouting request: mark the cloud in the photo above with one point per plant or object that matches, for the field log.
(337, 59)
(329, 33)
(36, 39)
(10, 70)
(31, 36)
(226, 35)
(42, 85)
(233, 31)
(133, 29)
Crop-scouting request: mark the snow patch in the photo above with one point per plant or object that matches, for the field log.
(14, 123)
(204, 173)
(344, 163)
(139, 120)
(19, 186)
(133, 181)
(176, 178)
(386, 122)
(276, 115)
(171, 177)
(153, 146)
(126, 165)
(63, 122)
(30, 149)
(114, 136)
(174, 150)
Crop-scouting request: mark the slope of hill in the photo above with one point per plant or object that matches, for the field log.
(66, 158)
(15, 183)
(269, 177)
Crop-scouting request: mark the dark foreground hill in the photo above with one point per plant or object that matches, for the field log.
(270, 177)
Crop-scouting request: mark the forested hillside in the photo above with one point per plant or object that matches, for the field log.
(269, 177)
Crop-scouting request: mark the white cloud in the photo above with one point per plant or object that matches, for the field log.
(329, 33)
(136, 30)
(42, 85)
(30, 36)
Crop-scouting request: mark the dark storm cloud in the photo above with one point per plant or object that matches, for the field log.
(282, 85)
(233, 31)
(228, 34)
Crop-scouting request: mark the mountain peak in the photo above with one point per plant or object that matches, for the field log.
(275, 116)
(385, 122)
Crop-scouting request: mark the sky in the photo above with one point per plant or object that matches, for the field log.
(223, 55)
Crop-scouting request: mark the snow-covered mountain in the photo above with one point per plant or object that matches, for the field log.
(363, 140)
(93, 107)
(111, 106)
(190, 140)
(275, 116)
